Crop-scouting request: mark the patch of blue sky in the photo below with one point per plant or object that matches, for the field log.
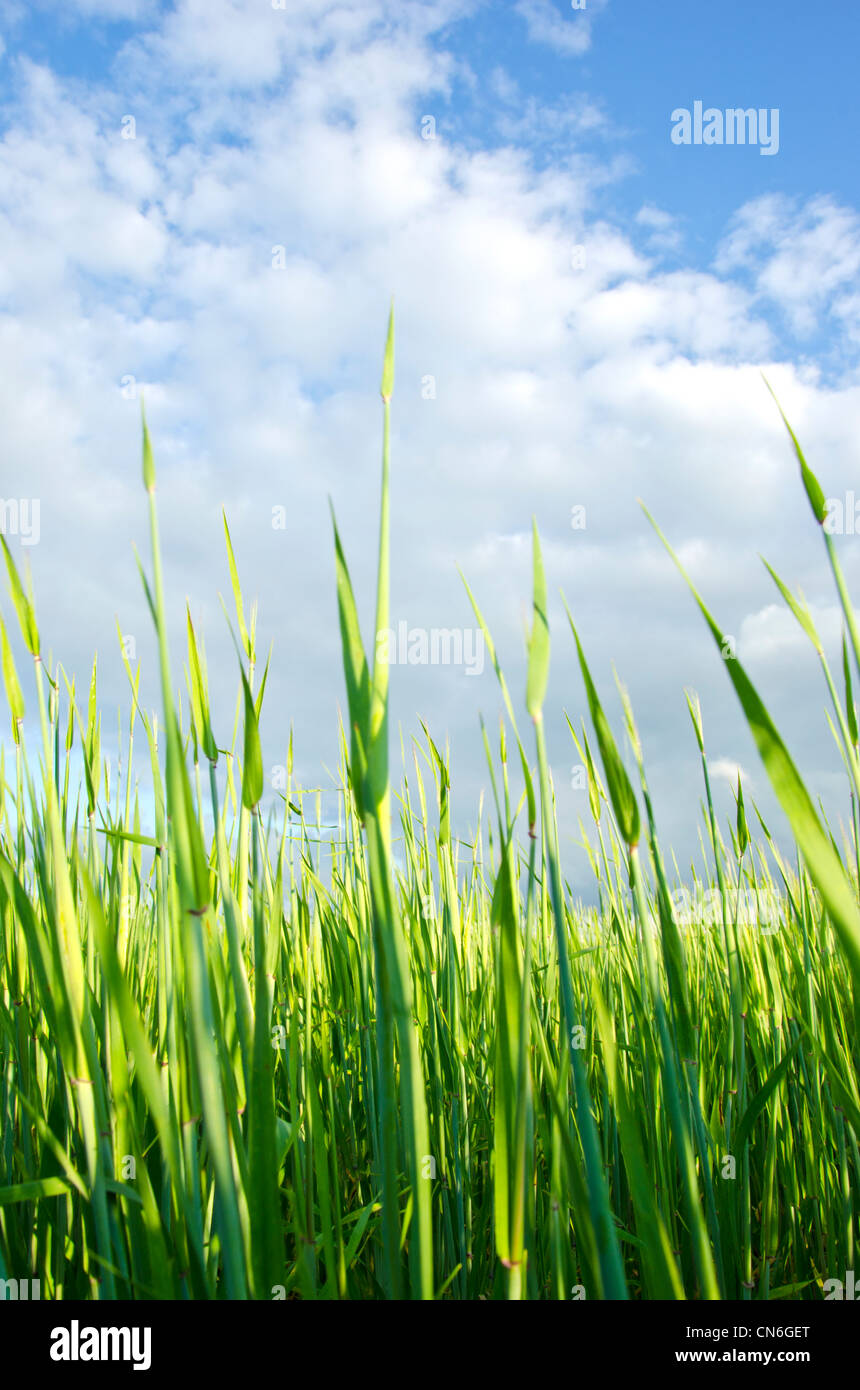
(645, 61)
(64, 39)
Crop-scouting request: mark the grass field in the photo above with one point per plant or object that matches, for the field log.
(248, 1057)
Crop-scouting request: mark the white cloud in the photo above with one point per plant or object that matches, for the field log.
(725, 770)
(773, 635)
(568, 32)
(662, 228)
(803, 258)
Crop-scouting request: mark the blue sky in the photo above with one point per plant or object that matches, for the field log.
(555, 385)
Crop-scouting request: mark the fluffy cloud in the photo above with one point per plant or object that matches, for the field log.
(568, 33)
(805, 259)
(725, 770)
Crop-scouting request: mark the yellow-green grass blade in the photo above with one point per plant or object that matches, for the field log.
(818, 853)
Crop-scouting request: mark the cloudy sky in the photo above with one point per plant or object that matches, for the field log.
(213, 201)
